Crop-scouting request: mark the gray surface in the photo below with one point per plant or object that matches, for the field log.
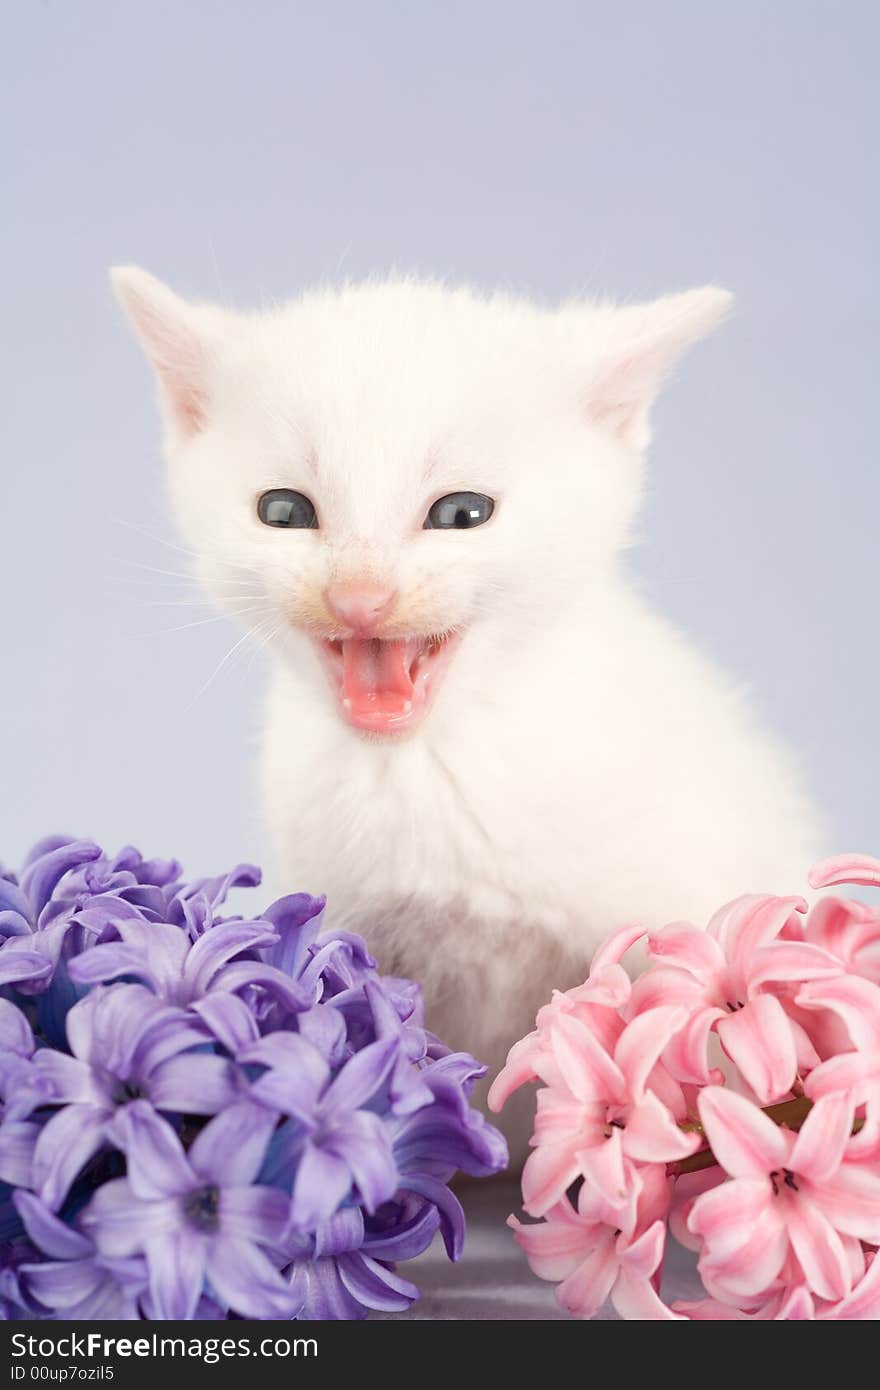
(246, 151)
(493, 1280)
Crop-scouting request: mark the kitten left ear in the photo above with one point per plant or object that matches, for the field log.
(644, 342)
(176, 336)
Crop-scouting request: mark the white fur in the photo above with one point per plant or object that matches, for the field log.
(583, 765)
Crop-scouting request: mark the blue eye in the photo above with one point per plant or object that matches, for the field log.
(459, 512)
(284, 507)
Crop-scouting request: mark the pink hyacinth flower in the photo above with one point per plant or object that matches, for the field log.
(849, 930)
(794, 1206)
(594, 1260)
(596, 1003)
(846, 868)
(789, 1305)
(604, 1117)
(798, 1304)
(724, 977)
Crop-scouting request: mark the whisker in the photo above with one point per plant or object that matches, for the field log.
(224, 661)
(180, 549)
(188, 578)
(193, 602)
(202, 622)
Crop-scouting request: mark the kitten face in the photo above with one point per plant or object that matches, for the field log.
(374, 403)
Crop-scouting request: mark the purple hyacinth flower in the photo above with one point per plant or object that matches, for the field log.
(162, 956)
(125, 1044)
(297, 919)
(31, 928)
(198, 1216)
(15, 1305)
(76, 1282)
(341, 1273)
(338, 1120)
(16, 1035)
(336, 1142)
(22, 1091)
(211, 893)
(445, 1136)
(407, 1088)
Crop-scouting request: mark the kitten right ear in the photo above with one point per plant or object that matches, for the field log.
(176, 339)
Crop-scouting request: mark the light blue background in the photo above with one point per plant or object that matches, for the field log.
(243, 151)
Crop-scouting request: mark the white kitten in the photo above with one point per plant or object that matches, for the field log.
(480, 743)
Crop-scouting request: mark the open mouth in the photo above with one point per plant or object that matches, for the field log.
(385, 687)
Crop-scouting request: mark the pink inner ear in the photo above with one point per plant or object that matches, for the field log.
(178, 358)
(186, 398)
(615, 400)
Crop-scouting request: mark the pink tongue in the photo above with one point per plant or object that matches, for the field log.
(375, 678)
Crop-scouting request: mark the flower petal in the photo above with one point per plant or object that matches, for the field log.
(583, 1292)
(230, 1150)
(19, 963)
(229, 1019)
(588, 1070)
(725, 1215)
(176, 1263)
(15, 1031)
(403, 1242)
(195, 1084)
(689, 949)
(608, 985)
(63, 1284)
(51, 1235)
(374, 1285)
(41, 878)
(758, 1039)
(845, 868)
(322, 1182)
(754, 921)
(746, 1272)
(361, 1077)
(636, 1300)
(744, 1140)
(821, 1143)
(18, 1141)
(856, 1002)
(554, 1249)
(686, 1056)
(70, 1079)
(120, 1224)
(848, 1071)
(864, 1301)
(792, 960)
(106, 962)
(448, 1206)
(155, 1161)
(819, 1250)
(66, 1143)
(516, 1072)
(220, 945)
(290, 1052)
(850, 1198)
(616, 945)
(246, 1281)
(297, 921)
(363, 1141)
(254, 1213)
(549, 1171)
(641, 1043)
(652, 1136)
(604, 1166)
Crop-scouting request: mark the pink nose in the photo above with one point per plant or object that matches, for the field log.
(360, 606)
